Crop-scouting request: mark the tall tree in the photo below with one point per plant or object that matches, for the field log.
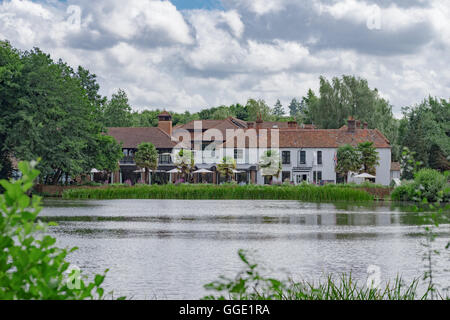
(348, 160)
(184, 160)
(117, 112)
(146, 157)
(270, 164)
(258, 108)
(425, 130)
(351, 96)
(369, 158)
(294, 108)
(278, 110)
(227, 167)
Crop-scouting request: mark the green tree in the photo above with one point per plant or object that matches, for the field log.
(425, 130)
(103, 153)
(184, 160)
(294, 108)
(270, 164)
(278, 110)
(369, 158)
(409, 164)
(117, 112)
(222, 113)
(348, 160)
(351, 96)
(55, 119)
(10, 74)
(258, 108)
(227, 167)
(146, 157)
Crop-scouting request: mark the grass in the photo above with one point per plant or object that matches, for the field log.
(223, 192)
(251, 285)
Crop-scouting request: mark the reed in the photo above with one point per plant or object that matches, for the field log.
(223, 192)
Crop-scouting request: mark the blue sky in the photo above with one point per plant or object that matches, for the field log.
(197, 4)
(167, 55)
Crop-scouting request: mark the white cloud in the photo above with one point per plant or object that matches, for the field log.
(202, 58)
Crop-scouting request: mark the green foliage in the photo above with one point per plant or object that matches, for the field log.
(369, 158)
(408, 164)
(48, 110)
(117, 112)
(278, 110)
(347, 160)
(226, 167)
(425, 130)
(251, 284)
(31, 266)
(224, 192)
(270, 164)
(350, 96)
(428, 184)
(256, 108)
(184, 160)
(146, 157)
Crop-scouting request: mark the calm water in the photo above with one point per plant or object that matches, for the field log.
(168, 249)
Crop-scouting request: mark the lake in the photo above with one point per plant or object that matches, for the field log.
(168, 249)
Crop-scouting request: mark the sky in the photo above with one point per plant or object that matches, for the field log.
(191, 54)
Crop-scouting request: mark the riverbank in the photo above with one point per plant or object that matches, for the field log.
(224, 192)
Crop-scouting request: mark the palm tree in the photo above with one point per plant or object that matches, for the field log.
(146, 157)
(369, 157)
(347, 160)
(270, 164)
(185, 162)
(227, 168)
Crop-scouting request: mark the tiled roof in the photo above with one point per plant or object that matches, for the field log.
(132, 137)
(395, 166)
(322, 138)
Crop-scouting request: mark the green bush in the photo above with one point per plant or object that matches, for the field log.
(430, 184)
(405, 192)
(31, 267)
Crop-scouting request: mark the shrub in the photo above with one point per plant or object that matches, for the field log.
(405, 192)
(31, 267)
(430, 184)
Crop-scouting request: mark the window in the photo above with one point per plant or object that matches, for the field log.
(238, 154)
(302, 157)
(317, 176)
(286, 157)
(165, 158)
(286, 175)
(319, 157)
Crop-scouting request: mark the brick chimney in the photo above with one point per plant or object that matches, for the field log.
(366, 125)
(165, 122)
(250, 125)
(292, 124)
(351, 123)
(259, 121)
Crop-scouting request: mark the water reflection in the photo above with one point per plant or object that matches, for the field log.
(170, 248)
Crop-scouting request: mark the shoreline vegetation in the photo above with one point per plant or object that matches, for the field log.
(223, 192)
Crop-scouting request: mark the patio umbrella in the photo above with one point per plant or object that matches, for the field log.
(365, 176)
(203, 171)
(175, 170)
(94, 171)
